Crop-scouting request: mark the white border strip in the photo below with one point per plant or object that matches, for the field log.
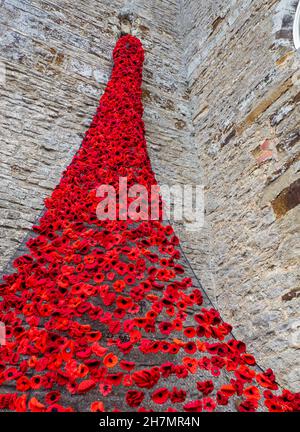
(296, 28)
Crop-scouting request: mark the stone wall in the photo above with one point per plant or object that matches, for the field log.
(220, 94)
(244, 83)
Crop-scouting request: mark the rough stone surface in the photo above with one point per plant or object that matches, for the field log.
(221, 98)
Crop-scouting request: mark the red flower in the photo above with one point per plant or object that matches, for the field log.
(127, 365)
(177, 395)
(208, 404)
(166, 327)
(167, 369)
(8, 401)
(193, 406)
(228, 390)
(191, 364)
(273, 405)
(36, 382)
(20, 404)
(267, 380)
(205, 387)
(36, 406)
(97, 406)
(146, 378)
(52, 397)
(181, 371)
(248, 405)
(124, 302)
(105, 389)
(252, 393)
(222, 399)
(190, 347)
(11, 374)
(114, 379)
(86, 386)
(23, 384)
(134, 398)
(160, 396)
(190, 332)
(110, 360)
(248, 359)
(244, 374)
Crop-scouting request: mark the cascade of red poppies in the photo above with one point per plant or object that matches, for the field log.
(99, 314)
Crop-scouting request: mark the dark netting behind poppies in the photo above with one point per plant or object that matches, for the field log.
(106, 315)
